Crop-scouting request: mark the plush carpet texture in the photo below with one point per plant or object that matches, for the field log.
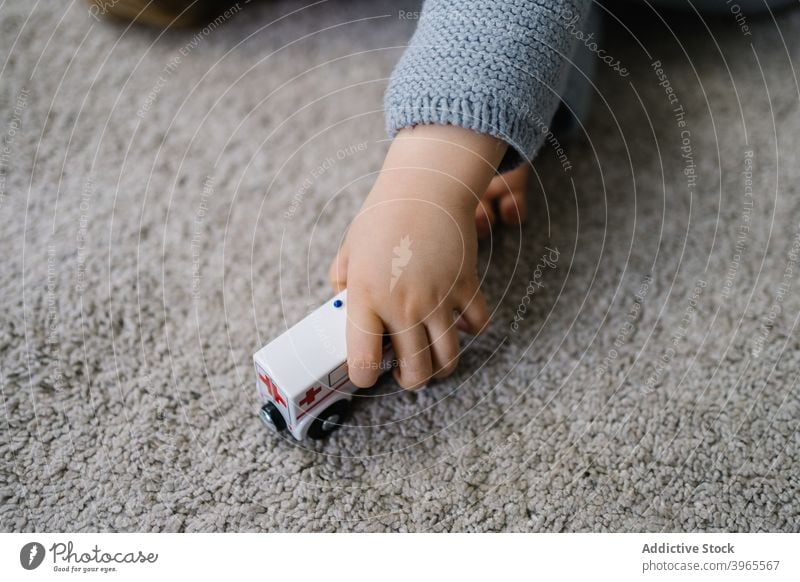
(171, 201)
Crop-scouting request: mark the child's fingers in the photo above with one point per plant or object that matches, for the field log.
(484, 218)
(337, 274)
(412, 351)
(474, 315)
(364, 342)
(497, 187)
(443, 337)
(462, 324)
(513, 207)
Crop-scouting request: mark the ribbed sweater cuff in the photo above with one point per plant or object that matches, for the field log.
(493, 116)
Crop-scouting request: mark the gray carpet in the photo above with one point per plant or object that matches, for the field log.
(170, 202)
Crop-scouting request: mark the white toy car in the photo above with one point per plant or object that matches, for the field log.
(302, 375)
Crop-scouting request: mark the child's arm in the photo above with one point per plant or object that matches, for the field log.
(475, 91)
(497, 67)
(409, 259)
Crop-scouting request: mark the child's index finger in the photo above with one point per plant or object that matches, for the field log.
(364, 342)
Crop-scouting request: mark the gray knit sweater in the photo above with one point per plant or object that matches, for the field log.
(492, 66)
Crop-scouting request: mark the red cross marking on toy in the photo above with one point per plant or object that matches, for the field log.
(311, 395)
(272, 389)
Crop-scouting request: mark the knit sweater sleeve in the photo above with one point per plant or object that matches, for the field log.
(492, 66)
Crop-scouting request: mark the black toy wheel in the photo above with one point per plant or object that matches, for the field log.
(330, 419)
(272, 417)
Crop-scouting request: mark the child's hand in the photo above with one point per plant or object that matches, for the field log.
(409, 258)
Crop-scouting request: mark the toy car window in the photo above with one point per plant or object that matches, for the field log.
(337, 375)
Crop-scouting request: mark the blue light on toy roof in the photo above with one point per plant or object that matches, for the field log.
(338, 303)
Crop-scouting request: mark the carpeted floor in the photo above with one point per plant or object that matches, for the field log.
(170, 202)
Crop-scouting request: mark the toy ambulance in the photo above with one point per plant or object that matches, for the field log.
(302, 375)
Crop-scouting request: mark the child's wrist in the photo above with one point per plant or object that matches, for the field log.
(445, 164)
(409, 183)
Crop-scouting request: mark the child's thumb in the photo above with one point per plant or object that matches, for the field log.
(338, 271)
